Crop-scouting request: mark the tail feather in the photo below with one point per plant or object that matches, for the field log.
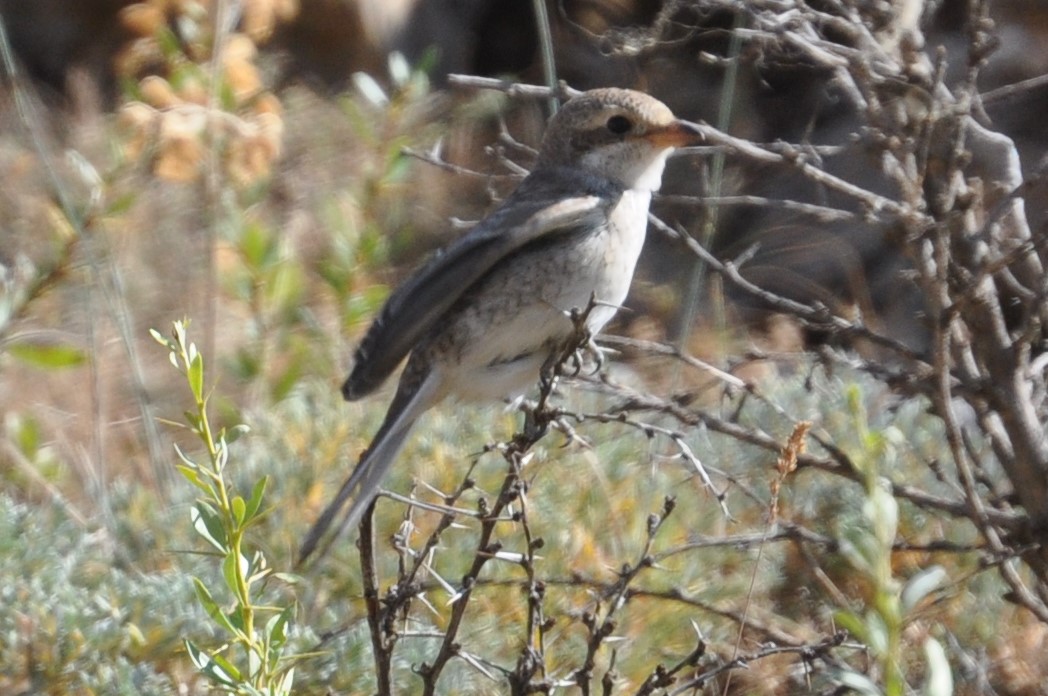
(369, 473)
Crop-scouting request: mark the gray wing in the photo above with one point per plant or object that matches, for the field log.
(418, 304)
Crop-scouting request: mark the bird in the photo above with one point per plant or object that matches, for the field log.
(480, 320)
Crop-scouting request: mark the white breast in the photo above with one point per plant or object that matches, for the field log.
(628, 223)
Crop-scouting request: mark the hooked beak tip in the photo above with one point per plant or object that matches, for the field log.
(678, 133)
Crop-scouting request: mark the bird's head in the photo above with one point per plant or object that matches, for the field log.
(620, 134)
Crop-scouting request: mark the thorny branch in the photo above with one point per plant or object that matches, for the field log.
(955, 214)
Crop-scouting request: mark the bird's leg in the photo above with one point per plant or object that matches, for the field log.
(538, 416)
(583, 340)
(536, 425)
(596, 351)
(548, 374)
(537, 419)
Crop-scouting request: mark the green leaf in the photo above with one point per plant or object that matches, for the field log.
(877, 633)
(239, 510)
(882, 510)
(231, 572)
(24, 431)
(276, 636)
(940, 680)
(163, 340)
(259, 568)
(256, 498)
(195, 374)
(246, 364)
(398, 167)
(921, 585)
(47, 356)
(855, 546)
(254, 664)
(286, 380)
(852, 623)
(235, 433)
(193, 419)
(228, 667)
(858, 683)
(211, 606)
(178, 328)
(236, 617)
(169, 43)
(121, 204)
(285, 288)
(214, 667)
(193, 476)
(221, 456)
(284, 687)
(257, 246)
(399, 68)
(208, 524)
(370, 89)
(227, 97)
(186, 459)
(276, 629)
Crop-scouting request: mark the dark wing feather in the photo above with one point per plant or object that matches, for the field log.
(536, 209)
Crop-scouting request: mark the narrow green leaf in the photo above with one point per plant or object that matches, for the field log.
(940, 680)
(47, 356)
(254, 663)
(193, 476)
(195, 374)
(121, 204)
(852, 623)
(286, 683)
(163, 340)
(921, 585)
(208, 524)
(877, 633)
(236, 617)
(858, 683)
(286, 381)
(228, 667)
(169, 44)
(221, 455)
(185, 459)
(255, 501)
(239, 510)
(259, 568)
(25, 432)
(206, 666)
(882, 510)
(276, 632)
(231, 571)
(370, 89)
(236, 432)
(258, 247)
(193, 419)
(211, 606)
(398, 167)
(179, 330)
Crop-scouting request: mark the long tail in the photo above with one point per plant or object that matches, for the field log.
(408, 404)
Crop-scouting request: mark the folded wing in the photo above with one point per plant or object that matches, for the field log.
(418, 304)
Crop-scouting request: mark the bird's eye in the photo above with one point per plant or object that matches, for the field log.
(619, 124)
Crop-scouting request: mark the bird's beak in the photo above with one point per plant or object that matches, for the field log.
(675, 134)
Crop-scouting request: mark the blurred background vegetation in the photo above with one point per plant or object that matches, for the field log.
(269, 169)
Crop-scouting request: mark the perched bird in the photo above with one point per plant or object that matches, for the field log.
(480, 319)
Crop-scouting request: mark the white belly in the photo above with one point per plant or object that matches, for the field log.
(507, 331)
